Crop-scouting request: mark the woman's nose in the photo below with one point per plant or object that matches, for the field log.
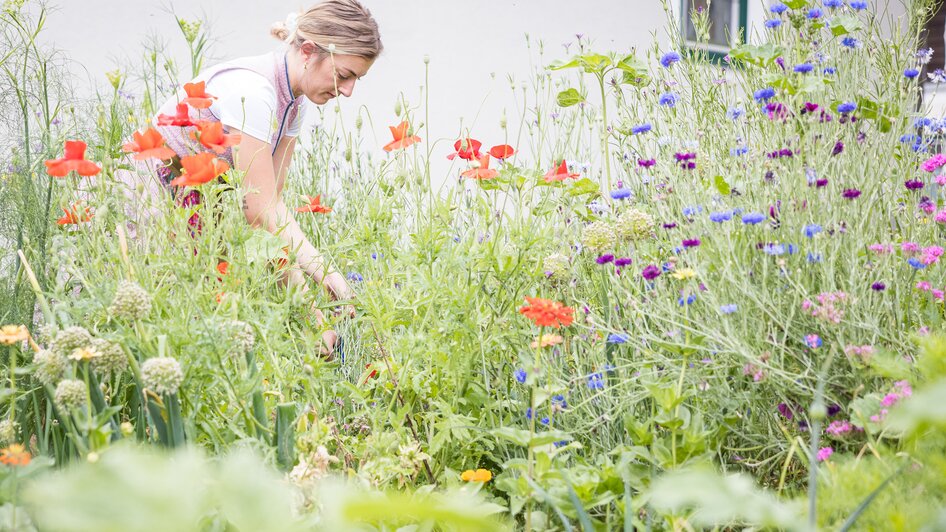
(347, 88)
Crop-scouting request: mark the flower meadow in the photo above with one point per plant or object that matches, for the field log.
(680, 293)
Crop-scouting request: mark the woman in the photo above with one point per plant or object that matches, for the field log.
(261, 101)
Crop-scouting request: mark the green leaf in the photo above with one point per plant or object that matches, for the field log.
(584, 186)
(569, 97)
(635, 71)
(796, 4)
(761, 55)
(594, 63)
(545, 438)
(517, 436)
(924, 409)
(559, 65)
(844, 24)
(722, 186)
(262, 246)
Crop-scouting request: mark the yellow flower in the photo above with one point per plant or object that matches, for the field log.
(480, 475)
(684, 273)
(12, 334)
(547, 340)
(84, 353)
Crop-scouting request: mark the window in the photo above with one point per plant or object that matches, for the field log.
(728, 18)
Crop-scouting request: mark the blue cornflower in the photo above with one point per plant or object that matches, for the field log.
(763, 95)
(741, 150)
(520, 375)
(691, 210)
(814, 13)
(734, 112)
(688, 301)
(560, 443)
(374, 256)
(924, 121)
(595, 381)
(559, 401)
(728, 309)
(813, 341)
(773, 23)
(811, 230)
(752, 218)
(829, 70)
(792, 249)
(720, 217)
(911, 73)
(617, 338)
(915, 263)
(850, 42)
(778, 8)
(858, 4)
(847, 107)
(621, 193)
(669, 58)
(642, 128)
(668, 99)
(833, 3)
(814, 258)
(355, 277)
(803, 68)
(774, 249)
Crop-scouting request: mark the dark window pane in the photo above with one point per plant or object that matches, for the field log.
(723, 23)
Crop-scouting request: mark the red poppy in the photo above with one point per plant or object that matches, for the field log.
(470, 152)
(401, 138)
(483, 171)
(559, 174)
(72, 161)
(148, 145)
(373, 374)
(222, 268)
(197, 97)
(212, 136)
(547, 313)
(180, 118)
(503, 151)
(314, 205)
(199, 169)
(73, 217)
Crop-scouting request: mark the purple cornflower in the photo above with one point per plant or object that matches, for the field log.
(777, 154)
(838, 148)
(670, 225)
(623, 261)
(850, 193)
(691, 242)
(878, 287)
(646, 163)
(822, 182)
(913, 184)
(650, 272)
(604, 259)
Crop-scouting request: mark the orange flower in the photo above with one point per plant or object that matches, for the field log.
(212, 136)
(547, 340)
(547, 313)
(197, 97)
(401, 138)
(73, 217)
(180, 118)
(15, 455)
(13, 334)
(482, 171)
(480, 475)
(503, 151)
(222, 267)
(559, 174)
(148, 145)
(314, 205)
(199, 169)
(72, 161)
(470, 152)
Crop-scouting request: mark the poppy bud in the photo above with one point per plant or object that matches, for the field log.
(127, 429)
(397, 108)
(348, 154)
(502, 121)
(358, 122)
(426, 59)
(818, 411)
(114, 78)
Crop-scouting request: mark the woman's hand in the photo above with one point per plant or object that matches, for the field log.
(329, 337)
(340, 290)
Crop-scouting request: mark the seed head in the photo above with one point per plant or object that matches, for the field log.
(50, 366)
(131, 301)
(111, 359)
(634, 224)
(162, 375)
(597, 236)
(70, 394)
(70, 339)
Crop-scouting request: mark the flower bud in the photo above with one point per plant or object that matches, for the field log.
(70, 339)
(162, 375)
(131, 301)
(818, 411)
(426, 59)
(70, 394)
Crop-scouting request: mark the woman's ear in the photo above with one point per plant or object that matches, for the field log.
(308, 49)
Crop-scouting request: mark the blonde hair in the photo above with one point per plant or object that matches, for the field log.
(343, 26)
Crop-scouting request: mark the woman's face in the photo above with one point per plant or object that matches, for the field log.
(326, 76)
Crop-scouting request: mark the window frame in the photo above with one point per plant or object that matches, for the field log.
(716, 52)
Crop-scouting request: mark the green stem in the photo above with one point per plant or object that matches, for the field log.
(604, 131)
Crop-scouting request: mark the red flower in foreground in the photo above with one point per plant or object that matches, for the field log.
(148, 145)
(180, 118)
(72, 161)
(401, 138)
(72, 216)
(469, 152)
(314, 205)
(483, 171)
(547, 313)
(199, 169)
(197, 97)
(211, 135)
(503, 151)
(559, 174)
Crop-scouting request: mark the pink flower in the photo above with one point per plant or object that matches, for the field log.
(941, 180)
(882, 249)
(924, 285)
(838, 427)
(909, 247)
(938, 294)
(934, 162)
(824, 453)
(940, 217)
(890, 399)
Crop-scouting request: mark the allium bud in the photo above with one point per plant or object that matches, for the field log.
(242, 338)
(634, 224)
(7, 431)
(557, 266)
(71, 338)
(131, 301)
(597, 236)
(162, 375)
(70, 394)
(50, 366)
(111, 359)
